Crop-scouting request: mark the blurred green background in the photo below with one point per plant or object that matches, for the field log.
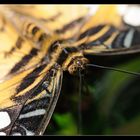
(110, 100)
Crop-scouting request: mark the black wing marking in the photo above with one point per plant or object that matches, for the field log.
(30, 112)
(37, 111)
(126, 42)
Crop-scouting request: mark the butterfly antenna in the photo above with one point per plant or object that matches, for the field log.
(79, 129)
(115, 69)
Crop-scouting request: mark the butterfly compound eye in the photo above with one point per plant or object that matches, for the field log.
(77, 64)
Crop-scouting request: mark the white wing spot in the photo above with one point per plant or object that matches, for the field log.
(2, 134)
(132, 16)
(33, 113)
(128, 38)
(4, 119)
(16, 134)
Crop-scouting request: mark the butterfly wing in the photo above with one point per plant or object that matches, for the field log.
(106, 34)
(28, 102)
(55, 18)
(26, 84)
(13, 50)
(18, 54)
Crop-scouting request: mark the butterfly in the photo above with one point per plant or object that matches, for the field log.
(38, 43)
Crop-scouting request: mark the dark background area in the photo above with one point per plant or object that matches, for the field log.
(110, 100)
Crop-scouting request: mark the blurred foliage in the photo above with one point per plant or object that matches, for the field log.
(110, 103)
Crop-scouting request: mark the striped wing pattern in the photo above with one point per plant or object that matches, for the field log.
(37, 102)
(39, 46)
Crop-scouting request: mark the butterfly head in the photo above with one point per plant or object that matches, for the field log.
(77, 64)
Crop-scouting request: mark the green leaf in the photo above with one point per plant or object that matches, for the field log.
(66, 124)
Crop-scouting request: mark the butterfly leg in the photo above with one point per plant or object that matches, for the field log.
(45, 87)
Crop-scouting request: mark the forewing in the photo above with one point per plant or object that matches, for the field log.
(16, 53)
(63, 19)
(28, 100)
(22, 75)
(106, 34)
